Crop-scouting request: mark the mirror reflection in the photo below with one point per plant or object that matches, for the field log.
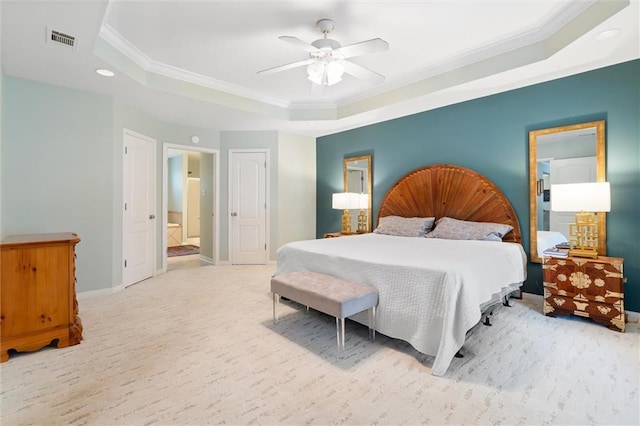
(566, 154)
(357, 178)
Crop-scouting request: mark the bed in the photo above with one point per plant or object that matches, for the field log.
(431, 290)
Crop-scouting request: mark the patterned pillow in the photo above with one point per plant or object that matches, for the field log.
(405, 226)
(454, 229)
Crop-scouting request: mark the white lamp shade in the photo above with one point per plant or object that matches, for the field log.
(363, 201)
(576, 197)
(345, 200)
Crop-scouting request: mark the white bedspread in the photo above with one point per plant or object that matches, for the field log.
(430, 289)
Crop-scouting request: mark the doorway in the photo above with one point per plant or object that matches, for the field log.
(190, 204)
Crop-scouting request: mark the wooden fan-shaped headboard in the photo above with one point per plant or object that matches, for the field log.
(447, 190)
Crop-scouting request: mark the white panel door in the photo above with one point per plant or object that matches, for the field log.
(247, 207)
(139, 208)
(569, 170)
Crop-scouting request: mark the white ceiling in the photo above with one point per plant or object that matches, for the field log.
(196, 62)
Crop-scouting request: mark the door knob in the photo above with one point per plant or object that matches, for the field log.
(234, 214)
(152, 216)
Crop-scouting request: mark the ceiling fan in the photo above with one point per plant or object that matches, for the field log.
(328, 61)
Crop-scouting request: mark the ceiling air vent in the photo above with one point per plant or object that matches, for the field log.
(59, 37)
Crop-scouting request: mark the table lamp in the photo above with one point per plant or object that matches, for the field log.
(585, 199)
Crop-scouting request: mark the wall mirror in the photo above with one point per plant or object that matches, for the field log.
(357, 178)
(566, 154)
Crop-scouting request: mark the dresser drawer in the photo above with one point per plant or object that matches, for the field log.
(610, 314)
(590, 288)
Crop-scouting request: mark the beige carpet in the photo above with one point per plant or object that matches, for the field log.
(197, 346)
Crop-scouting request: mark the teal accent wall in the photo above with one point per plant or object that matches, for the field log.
(490, 135)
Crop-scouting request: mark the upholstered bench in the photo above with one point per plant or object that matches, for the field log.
(330, 295)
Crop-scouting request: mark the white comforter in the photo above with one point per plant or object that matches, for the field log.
(430, 290)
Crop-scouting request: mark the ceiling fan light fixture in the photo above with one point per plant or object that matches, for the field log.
(325, 73)
(334, 72)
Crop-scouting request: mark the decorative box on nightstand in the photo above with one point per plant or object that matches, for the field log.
(590, 288)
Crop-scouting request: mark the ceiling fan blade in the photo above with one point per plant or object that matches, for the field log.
(298, 43)
(286, 67)
(369, 46)
(362, 73)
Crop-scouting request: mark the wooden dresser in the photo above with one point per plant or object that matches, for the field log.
(37, 295)
(591, 288)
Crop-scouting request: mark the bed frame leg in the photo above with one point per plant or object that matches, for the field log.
(487, 320)
(505, 301)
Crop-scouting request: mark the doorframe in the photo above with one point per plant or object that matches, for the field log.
(154, 238)
(216, 199)
(267, 196)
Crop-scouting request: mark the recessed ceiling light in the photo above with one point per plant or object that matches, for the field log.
(105, 72)
(607, 34)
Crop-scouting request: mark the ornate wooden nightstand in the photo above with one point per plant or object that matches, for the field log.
(590, 288)
(340, 234)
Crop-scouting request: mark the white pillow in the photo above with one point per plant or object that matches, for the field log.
(454, 229)
(405, 226)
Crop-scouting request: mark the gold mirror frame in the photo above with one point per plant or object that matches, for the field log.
(353, 163)
(535, 183)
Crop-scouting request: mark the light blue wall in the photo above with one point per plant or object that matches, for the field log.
(489, 135)
(62, 169)
(175, 172)
(207, 194)
(57, 170)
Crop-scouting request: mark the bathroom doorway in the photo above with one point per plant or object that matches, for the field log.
(190, 205)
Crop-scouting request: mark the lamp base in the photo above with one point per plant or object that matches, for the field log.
(584, 236)
(346, 222)
(362, 222)
(593, 254)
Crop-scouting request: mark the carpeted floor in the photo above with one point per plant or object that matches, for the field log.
(183, 250)
(197, 346)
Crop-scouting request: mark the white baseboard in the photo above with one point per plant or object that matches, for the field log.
(207, 259)
(102, 292)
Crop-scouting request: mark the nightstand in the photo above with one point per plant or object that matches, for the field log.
(340, 234)
(335, 234)
(590, 288)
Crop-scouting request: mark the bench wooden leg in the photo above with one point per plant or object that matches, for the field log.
(340, 332)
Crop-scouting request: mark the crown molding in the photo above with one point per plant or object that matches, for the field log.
(124, 46)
